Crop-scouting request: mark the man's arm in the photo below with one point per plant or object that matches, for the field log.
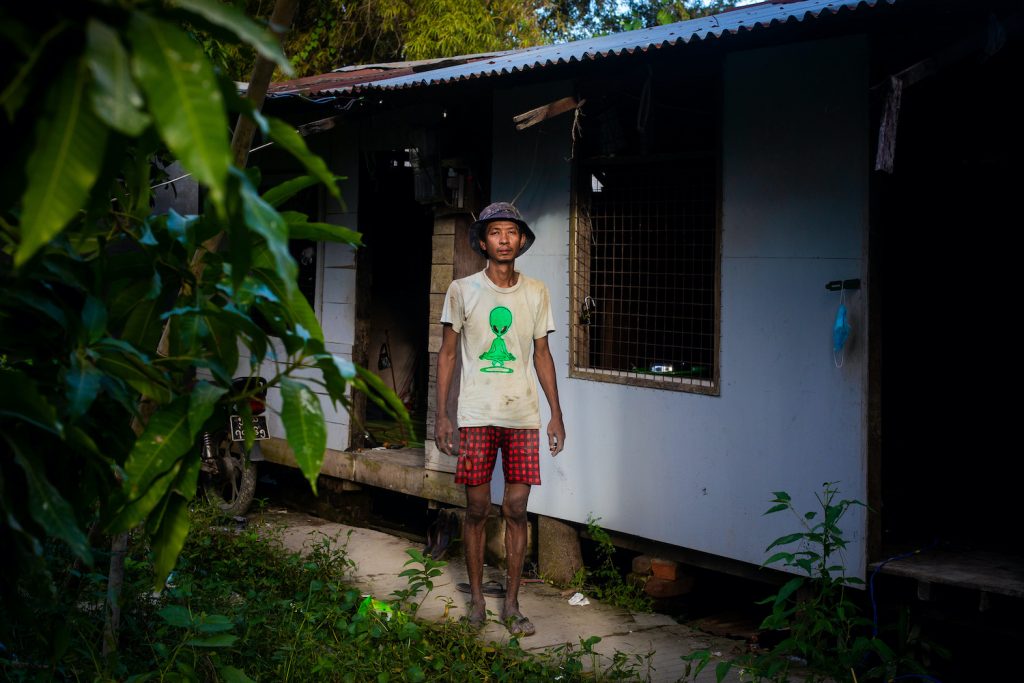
(445, 370)
(545, 367)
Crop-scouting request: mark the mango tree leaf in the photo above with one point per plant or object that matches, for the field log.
(165, 440)
(295, 306)
(50, 511)
(169, 539)
(70, 142)
(381, 394)
(148, 507)
(304, 426)
(202, 401)
(115, 99)
(14, 93)
(20, 399)
(247, 30)
(286, 136)
(82, 382)
(263, 219)
(279, 194)
(136, 372)
(324, 232)
(785, 540)
(94, 319)
(181, 90)
(143, 327)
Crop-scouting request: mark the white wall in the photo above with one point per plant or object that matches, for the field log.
(698, 471)
(335, 306)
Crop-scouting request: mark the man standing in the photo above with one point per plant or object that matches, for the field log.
(495, 317)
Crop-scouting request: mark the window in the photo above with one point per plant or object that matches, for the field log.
(645, 271)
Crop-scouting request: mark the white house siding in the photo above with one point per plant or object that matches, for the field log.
(698, 471)
(335, 306)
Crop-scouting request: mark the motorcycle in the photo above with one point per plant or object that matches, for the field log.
(228, 472)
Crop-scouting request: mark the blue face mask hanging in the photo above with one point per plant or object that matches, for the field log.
(840, 332)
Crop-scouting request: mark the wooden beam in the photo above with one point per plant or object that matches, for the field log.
(549, 110)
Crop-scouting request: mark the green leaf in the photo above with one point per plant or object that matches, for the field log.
(115, 99)
(169, 539)
(143, 327)
(788, 589)
(248, 31)
(721, 670)
(264, 220)
(788, 557)
(15, 92)
(776, 508)
(94, 319)
(324, 232)
(286, 136)
(20, 399)
(201, 404)
(65, 163)
(304, 426)
(296, 306)
(279, 194)
(781, 496)
(135, 510)
(785, 540)
(221, 640)
(135, 371)
(50, 510)
(166, 438)
(214, 624)
(181, 90)
(231, 674)
(176, 615)
(82, 385)
(381, 394)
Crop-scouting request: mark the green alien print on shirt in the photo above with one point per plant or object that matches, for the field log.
(500, 321)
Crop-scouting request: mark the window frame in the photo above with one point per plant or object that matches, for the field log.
(577, 339)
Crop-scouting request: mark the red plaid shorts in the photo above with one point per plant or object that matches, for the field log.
(478, 450)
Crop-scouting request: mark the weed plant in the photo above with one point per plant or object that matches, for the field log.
(825, 634)
(240, 607)
(605, 581)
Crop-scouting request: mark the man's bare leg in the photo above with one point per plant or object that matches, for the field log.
(513, 508)
(478, 505)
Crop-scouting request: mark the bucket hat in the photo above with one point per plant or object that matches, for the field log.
(498, 211)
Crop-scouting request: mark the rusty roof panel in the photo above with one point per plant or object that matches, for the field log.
(449, 70)
(747, 18)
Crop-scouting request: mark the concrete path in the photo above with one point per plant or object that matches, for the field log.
(380, 557)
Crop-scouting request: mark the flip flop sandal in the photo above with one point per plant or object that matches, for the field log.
(520, 626)
(491, 588)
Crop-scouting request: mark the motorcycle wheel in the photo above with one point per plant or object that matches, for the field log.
(233, 487)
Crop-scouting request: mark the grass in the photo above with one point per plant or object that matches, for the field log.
(240, 607)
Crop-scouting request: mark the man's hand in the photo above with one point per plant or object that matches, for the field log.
(556, 436)
(443, 434)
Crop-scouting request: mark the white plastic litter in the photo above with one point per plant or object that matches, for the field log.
(579, 599)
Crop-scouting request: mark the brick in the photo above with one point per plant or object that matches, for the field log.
(662, 588)
(642, 564)
(665, 569)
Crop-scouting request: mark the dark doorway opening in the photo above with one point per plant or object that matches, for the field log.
(945, 220)
(395, 270)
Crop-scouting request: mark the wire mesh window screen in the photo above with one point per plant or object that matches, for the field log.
(646, 273)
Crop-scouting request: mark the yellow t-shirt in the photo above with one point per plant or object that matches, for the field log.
(496, 328)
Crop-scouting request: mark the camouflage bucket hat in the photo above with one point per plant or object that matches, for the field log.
(498, 211)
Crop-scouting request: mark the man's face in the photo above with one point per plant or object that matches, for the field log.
(502, 241)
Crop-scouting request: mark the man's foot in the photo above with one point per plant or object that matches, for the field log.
(518, 625)
(476, 616)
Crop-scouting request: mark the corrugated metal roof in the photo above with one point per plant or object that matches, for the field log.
(437, 71)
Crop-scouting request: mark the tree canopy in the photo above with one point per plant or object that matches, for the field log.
(328, 34)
